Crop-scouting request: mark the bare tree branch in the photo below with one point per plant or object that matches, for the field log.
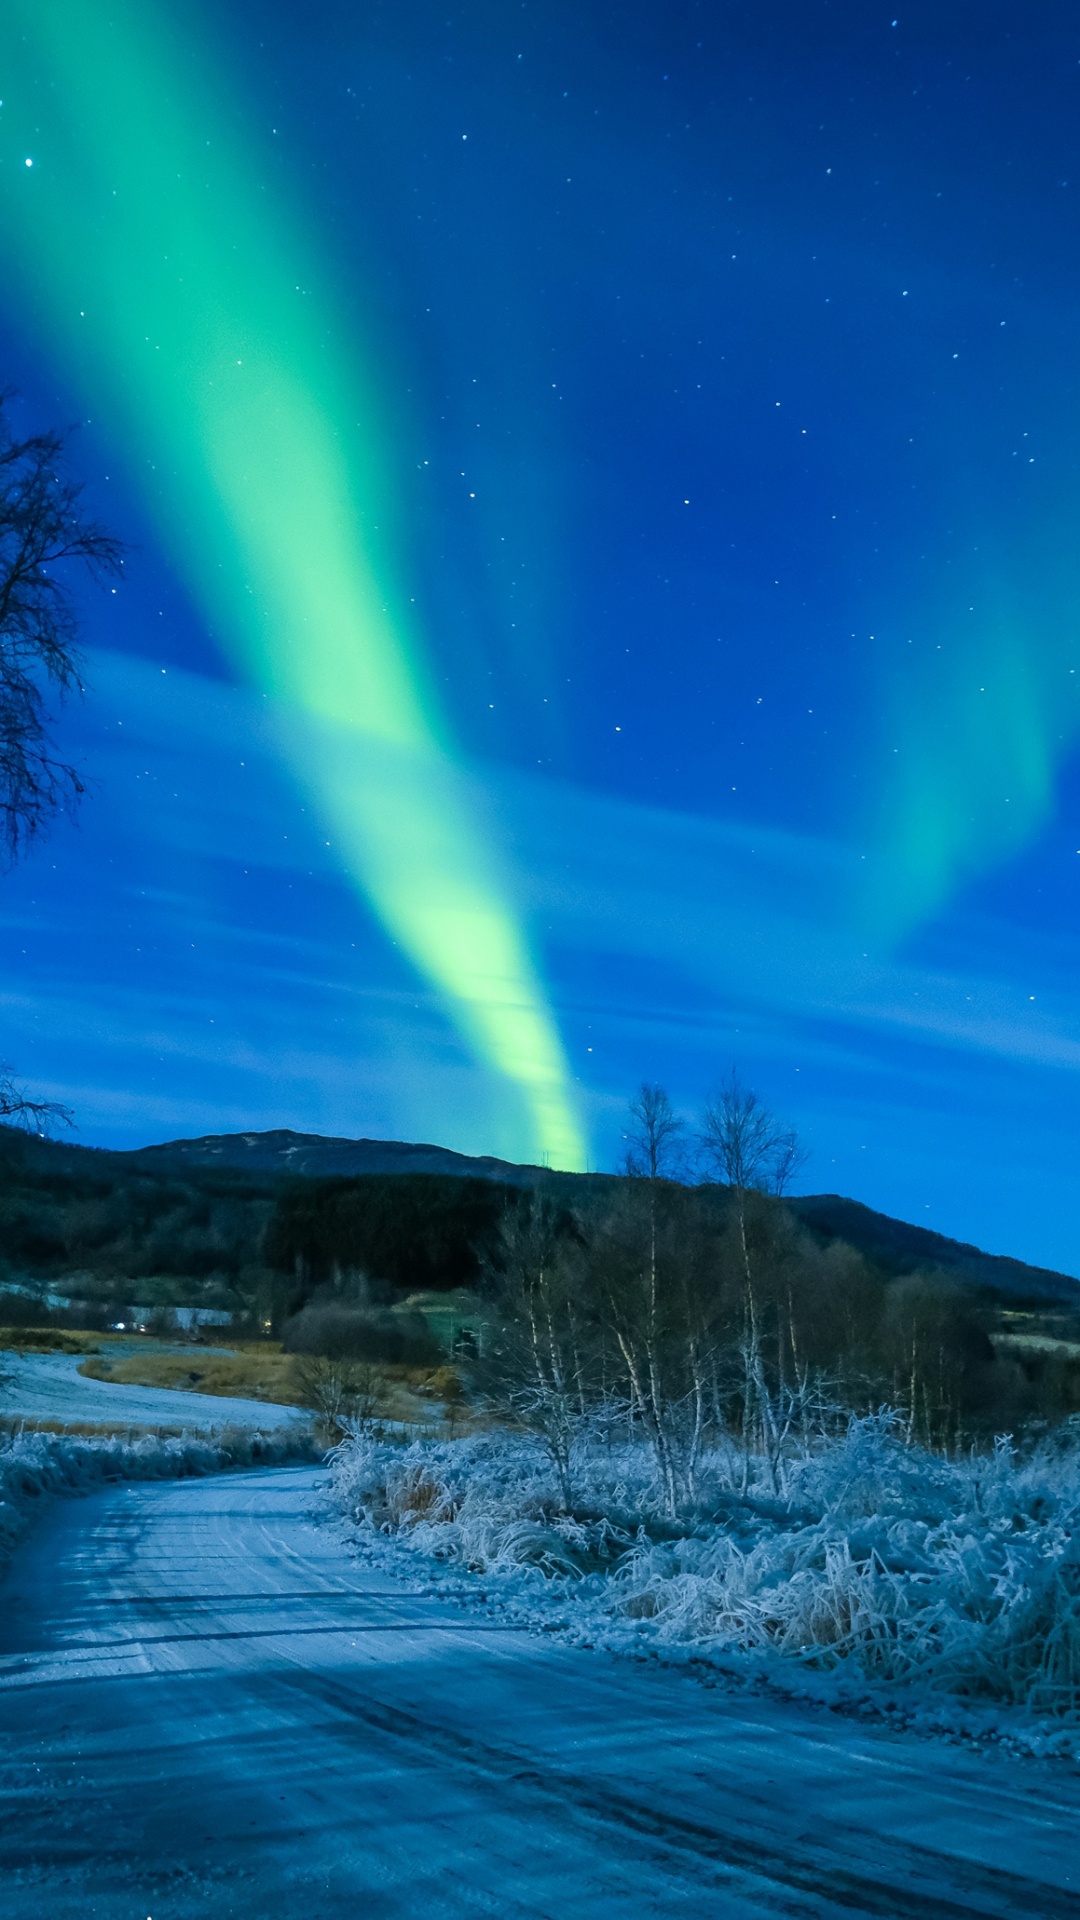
(655, 1135)
(744, 1144)
(789, 1159)
(44, 536)
(33, 1116)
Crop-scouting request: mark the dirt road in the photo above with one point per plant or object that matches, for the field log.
(209, 1708)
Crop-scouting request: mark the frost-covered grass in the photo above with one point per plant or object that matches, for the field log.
(886, 1566)
(34, 1465)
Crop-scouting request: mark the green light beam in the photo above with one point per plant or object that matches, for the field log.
(977, 720)
(156, 262)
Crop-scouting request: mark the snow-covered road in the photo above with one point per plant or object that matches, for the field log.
(210, 1708)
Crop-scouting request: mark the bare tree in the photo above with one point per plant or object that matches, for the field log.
(789, 1159)
(651, 1265)
(342, 1393)
(370, 1389)
(537, 1369)
(745, 1146)
(654, 1136)
(44, 536)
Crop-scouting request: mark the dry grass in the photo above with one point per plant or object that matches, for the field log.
(48, 1340)
(75, 1340)
(252, 1370)
(257, 1371)
(251, 1373)
(14, 1424)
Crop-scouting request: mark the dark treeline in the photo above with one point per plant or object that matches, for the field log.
(350, 1325)
(410, 1231)
(259, 1244)
(263, 1246)
(345, 1248)
(91, 1225)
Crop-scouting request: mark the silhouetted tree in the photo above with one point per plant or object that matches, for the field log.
(18, 1108)
(43, 533)
(654, 1135)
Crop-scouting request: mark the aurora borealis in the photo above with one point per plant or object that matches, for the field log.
(178, 299)
(601, 489)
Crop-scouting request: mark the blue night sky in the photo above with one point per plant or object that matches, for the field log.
(718, 373)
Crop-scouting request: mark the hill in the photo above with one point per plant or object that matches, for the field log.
(897, 1248)
(894, 1245)
(201, 1207)
(322, 1158)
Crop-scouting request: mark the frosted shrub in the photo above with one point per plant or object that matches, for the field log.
(885, 1563)
(906, 1567)
(489, 1502)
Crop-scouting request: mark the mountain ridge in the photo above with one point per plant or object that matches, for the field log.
(896, 1244)
(326, 1156)
(280, 1152)
(901, 1248)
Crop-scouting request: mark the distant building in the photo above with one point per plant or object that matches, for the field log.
(184, 1318)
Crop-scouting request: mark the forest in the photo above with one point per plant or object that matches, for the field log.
(696, 1293)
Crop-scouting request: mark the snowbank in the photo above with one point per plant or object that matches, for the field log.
(887, 1568)
(35, 1466)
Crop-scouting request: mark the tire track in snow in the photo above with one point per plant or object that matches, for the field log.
(210, 1708)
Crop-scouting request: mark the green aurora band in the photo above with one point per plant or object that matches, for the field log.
(155, 260)
(974, 731)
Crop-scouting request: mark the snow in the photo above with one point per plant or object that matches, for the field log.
(214, 1707)
(49, 1386)
(36, 1466)
(943, 1592)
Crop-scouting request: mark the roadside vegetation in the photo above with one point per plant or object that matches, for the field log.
(886, 1575)
(707, 1431)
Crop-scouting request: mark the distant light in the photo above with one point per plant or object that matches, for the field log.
(29, 163)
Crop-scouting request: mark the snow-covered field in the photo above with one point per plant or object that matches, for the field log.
(945, 1593)
(212, 1707)
(49, 1386)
